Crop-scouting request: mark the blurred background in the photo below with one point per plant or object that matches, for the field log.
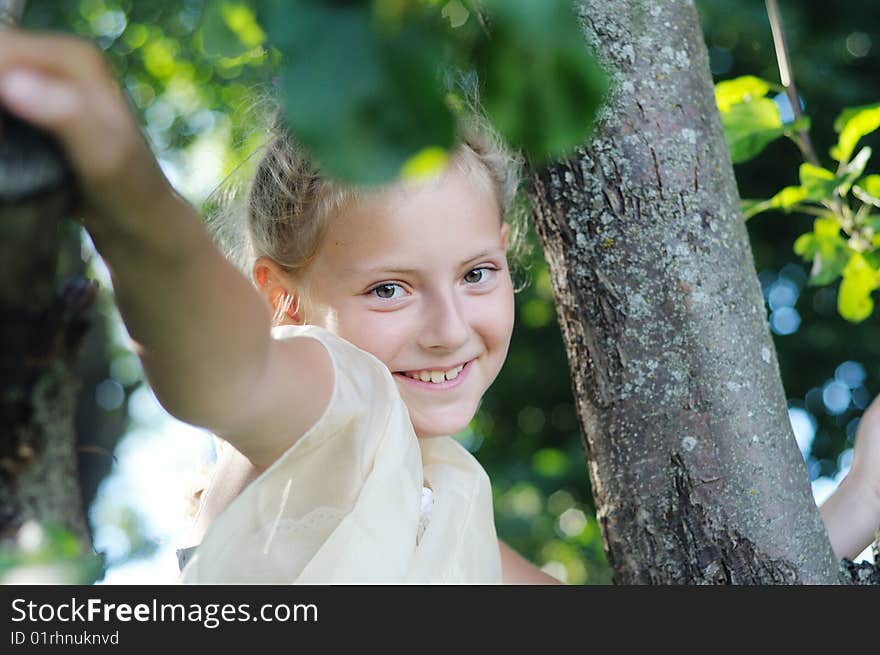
(140, 468)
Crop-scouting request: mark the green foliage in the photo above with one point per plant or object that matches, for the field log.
(750, 120)
(365, 83)
(229, 29)
(842, 199)
(365, 109)
(48, 554)
(541, 88)
(750, 126)
(824, 247)
(867, 189)
(860, 278)
(527, 436)
(816, 182)
(852, 125)
(200, 99)
(740, 90)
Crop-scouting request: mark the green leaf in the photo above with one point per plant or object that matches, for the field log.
(826, 227)
(871, 184)
(853, 124)
(750, 126)
(739, 89)
(364, 102)
(229, 29)
(806, 245)
(788, 197)
(825, 248)
(828, 268)
(425, 164)
(844, 117)
(818, 183)
(541, 86)
(854, 296)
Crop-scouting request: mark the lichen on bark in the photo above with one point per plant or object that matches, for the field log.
(696, 475)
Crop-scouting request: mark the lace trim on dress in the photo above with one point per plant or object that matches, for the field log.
(320, 517)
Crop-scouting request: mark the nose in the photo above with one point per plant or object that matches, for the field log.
(445, 326)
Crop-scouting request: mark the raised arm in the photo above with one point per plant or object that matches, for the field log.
(200, 329)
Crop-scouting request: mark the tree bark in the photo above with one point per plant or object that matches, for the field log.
(11, 11)
(40, 334)
(696, 475)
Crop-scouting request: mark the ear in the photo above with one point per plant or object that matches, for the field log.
(505, 233)
(276, 287)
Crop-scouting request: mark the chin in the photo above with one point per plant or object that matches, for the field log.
(441, 427)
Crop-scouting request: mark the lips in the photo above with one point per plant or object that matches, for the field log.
(452, 377)
(435, 375)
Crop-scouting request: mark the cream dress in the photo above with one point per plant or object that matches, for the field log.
(358, 499)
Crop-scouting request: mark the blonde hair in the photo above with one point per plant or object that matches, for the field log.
(283, 211)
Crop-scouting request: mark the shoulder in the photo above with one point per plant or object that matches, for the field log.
(351, 366)
(335, 345)
(291, 393)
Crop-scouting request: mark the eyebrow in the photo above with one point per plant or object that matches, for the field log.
(375, 270)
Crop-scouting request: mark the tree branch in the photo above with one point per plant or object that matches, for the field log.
(11, 11)
(787, 77)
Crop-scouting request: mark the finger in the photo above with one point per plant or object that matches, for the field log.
(98, 134)
(44, 101)
(65, 86)
(60, 55)
(47, 79)
(56, 105)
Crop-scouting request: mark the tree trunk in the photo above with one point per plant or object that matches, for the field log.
(696, 475)
(40, 334)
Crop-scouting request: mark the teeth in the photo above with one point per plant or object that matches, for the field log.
(436, 376)
(452, 374)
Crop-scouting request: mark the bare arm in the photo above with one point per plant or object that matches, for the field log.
(852, 518)
(516, 569)
(852, 513)
(202, 333)
(199, 327)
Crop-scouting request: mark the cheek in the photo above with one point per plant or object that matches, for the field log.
(380, 334)
(503, 312)
(494, 318)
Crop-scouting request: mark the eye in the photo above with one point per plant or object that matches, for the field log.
(385, 291)
(478, 275)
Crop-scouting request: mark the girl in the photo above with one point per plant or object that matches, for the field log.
(381, 318)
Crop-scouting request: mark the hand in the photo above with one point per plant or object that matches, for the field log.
(65, 86)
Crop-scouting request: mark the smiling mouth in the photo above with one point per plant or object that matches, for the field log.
(437, 378)
(435, 375)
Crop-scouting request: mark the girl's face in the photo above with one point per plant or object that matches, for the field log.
(419, 279)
